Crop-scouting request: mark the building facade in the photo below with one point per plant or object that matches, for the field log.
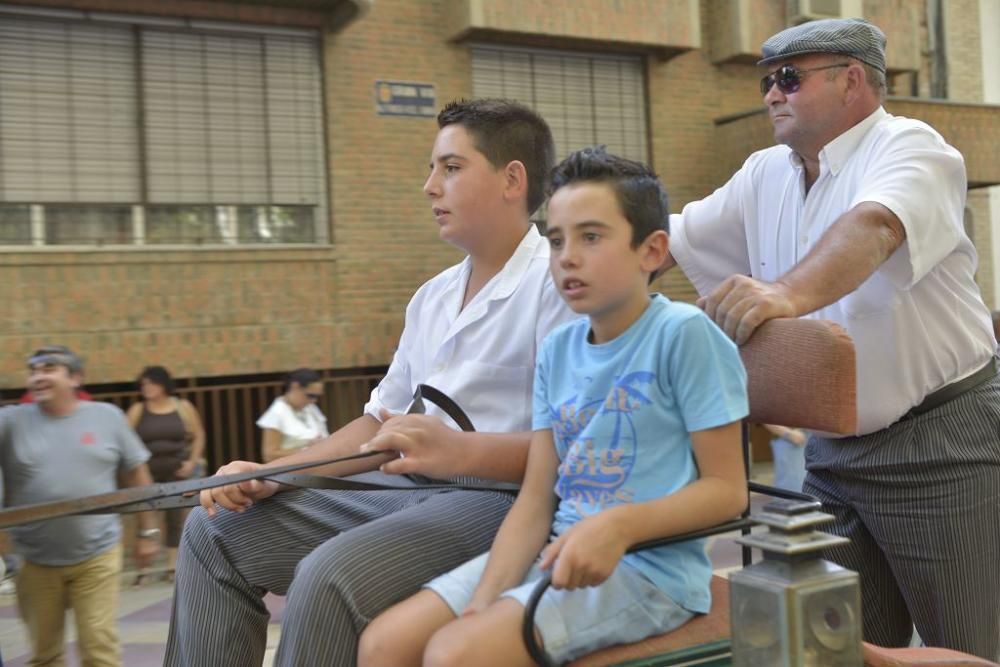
(233, 187)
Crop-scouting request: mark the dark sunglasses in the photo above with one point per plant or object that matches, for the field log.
(313, 397)
(789, 78)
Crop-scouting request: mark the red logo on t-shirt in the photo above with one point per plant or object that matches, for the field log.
(88, 438)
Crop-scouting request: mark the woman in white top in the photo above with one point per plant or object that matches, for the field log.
(293, 420)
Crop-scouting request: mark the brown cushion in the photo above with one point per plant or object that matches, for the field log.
(802, 373)
(710, 627)
(876, 656)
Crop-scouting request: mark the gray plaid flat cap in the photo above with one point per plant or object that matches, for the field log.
(856, 38)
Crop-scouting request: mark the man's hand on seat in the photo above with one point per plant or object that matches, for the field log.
(426, 445)
(741, 304)
(237, 497)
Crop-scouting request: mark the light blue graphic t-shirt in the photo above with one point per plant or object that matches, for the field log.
(622, 413)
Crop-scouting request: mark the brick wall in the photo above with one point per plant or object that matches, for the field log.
(735, 29)
(686, 94)
(978, 214)
(964, 51)
(386, 239)
(206, 312)
(652, 24)
(214, 10)
(901, 21)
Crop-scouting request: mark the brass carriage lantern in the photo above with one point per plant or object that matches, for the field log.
(794, 609)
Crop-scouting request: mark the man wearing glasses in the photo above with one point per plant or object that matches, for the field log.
(857, 217)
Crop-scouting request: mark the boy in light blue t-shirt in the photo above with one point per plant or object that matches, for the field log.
(636, 437)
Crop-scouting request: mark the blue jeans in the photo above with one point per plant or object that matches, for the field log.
(789, 464)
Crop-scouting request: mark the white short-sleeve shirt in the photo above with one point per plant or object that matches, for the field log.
(482, 356)
(918, 323)
(297, 427)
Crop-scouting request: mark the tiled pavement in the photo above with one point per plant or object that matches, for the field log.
(142, 623)
(144, 615)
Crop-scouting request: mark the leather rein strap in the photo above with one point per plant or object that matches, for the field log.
(174, 495)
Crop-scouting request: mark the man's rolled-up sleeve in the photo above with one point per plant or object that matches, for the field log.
(922, 180)
(708, 238)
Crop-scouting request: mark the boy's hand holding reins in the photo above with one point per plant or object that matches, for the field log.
(426, 445)
(237, 497)
(586, 554)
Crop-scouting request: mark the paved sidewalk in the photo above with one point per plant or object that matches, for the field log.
(143, 619)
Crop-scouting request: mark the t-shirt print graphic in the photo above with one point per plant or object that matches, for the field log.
(600, 439)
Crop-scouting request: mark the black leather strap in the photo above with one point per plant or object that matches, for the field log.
(443, 401)
(953, 390)
(297, 480)
(142, 498)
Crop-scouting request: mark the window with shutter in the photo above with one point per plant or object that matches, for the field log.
(587, 99)
(116, 133)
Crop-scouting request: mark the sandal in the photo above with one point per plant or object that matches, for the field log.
(140, 579)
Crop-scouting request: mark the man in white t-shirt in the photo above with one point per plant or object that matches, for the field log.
(857, 218)
(472, 331)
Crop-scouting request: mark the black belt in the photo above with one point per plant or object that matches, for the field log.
(175, 495)
(953, 390)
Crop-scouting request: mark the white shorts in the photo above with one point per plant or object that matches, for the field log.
(625, 608)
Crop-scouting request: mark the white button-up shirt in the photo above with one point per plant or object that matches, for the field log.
(482, 356)
(918, 323)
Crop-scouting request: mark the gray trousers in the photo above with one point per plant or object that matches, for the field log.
(341, 557)
(920, 501)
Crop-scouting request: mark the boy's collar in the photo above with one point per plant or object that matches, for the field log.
(513, 269)
(509, 277)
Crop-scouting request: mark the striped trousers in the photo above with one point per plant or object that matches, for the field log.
(920, 501)
(341, 557)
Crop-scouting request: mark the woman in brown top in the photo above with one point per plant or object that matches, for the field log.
(172, 432)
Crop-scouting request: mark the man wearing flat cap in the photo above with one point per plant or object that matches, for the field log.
(55, 448)
(857, 217)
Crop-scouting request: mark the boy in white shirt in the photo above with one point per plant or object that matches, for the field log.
(637, 436)
(472, 332)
